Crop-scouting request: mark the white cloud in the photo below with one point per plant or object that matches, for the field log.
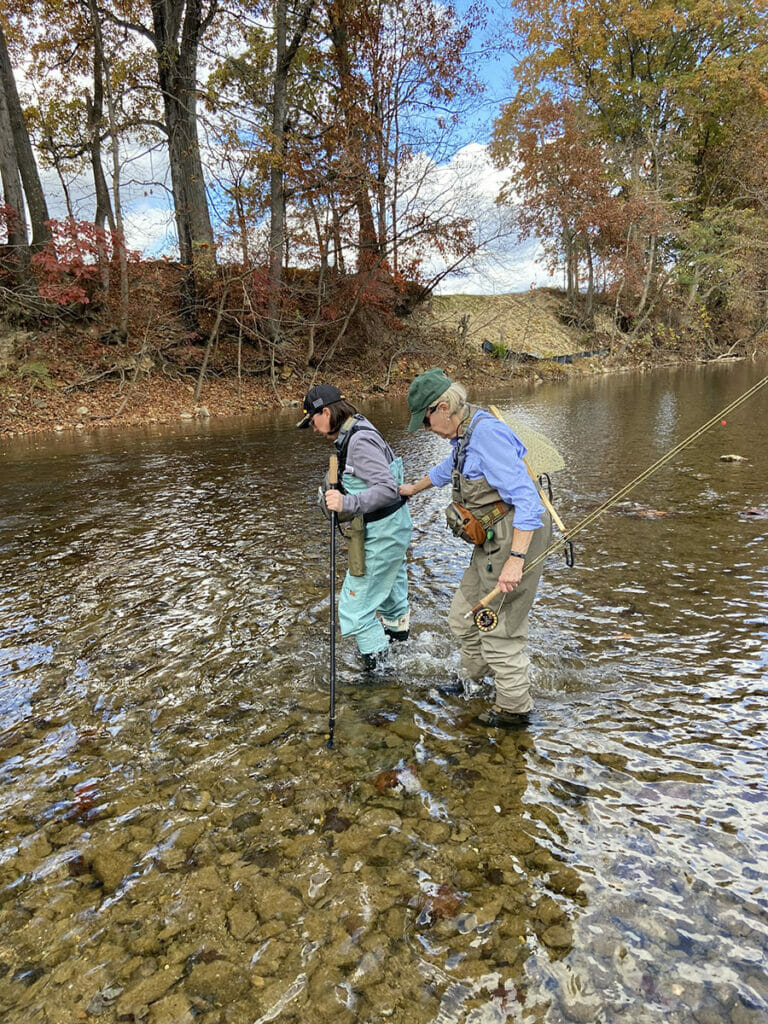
(467, 185)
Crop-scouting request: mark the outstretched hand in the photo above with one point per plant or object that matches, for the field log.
(407, 490)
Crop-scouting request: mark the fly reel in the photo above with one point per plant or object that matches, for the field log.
(486, 619)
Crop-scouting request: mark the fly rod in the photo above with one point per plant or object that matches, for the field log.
(481, 605)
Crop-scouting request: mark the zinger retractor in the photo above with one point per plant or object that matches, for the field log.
(486, 619)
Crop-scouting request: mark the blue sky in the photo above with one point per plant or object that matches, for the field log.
(508, 267)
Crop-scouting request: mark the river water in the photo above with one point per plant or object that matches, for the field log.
(178, 843)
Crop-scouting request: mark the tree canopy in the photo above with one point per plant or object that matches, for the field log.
(301, 143)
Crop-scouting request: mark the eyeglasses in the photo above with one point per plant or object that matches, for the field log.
(428, 413)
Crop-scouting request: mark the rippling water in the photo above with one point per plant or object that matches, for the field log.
(177, 842)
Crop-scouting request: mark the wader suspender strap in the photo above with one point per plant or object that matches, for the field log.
(501, 508)
(342, 444)
(460, 455)
(348, 428)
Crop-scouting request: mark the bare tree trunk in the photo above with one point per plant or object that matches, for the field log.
(95, 110)
(16, 222)
(104, 208)
(649, 272)
(178, 27)
(277, 171)
(33, 190)
(118, 238)
(277, 237)
(571, 273)
(590, 303)
(368, 244)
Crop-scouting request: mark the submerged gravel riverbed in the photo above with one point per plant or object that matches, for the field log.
(178, 844)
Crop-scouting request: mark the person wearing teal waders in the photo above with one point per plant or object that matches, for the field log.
(496, 508)
(373, 604)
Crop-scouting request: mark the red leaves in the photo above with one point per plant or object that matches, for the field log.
(69, 266)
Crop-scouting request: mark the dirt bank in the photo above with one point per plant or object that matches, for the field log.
(76, 380)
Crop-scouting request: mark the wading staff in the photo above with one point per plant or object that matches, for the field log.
(333, 481)
(480, 608)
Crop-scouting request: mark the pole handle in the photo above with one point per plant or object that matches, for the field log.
(483, 602)
(333, 471)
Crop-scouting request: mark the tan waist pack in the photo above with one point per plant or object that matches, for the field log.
(464, 524)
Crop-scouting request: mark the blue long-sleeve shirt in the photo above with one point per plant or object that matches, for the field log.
(496, 453)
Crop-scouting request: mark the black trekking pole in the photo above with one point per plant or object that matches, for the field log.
(333, 480)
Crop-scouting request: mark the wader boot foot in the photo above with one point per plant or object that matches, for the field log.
(460, 686)
(455, 687)
(397, 629)
(497, 718)
(397, 634)
(372, 662)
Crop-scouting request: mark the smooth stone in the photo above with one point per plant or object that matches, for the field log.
(558, 936)
(147, 991)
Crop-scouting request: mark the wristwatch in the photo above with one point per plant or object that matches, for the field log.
(517, 554)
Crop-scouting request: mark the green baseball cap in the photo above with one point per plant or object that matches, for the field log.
(423, 392)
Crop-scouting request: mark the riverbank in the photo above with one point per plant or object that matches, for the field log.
(77, 381)
(35, 408)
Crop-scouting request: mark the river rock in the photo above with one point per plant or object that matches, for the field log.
(274, 902)
(576, 1007)
(377, 821)
(206, 879)
(747, 1015)
(435, 832)
(172, 1009)
(542, 860)
(557, 936)
(549, 912)
(241, 922)
(566, 881)
(709, 1014)
(133, 1002)
(218, 982)
(520, 844)
(111, 866)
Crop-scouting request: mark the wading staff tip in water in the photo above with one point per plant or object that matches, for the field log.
(373, 603)
(497, 509)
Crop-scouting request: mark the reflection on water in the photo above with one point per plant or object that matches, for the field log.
(177, 841)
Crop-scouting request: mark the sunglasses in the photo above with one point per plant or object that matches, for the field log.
(428, 413)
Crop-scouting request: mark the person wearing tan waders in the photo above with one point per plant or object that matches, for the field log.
(373, 604)
(496, 508)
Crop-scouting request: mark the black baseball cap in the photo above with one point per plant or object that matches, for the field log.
(316, 400)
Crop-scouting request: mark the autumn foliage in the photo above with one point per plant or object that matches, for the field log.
(636, 150)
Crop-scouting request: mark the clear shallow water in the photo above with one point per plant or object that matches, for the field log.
(177, 842)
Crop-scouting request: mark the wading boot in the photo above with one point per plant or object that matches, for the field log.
(373, 662)
(397, 629)
(456, 686)
(497, 718)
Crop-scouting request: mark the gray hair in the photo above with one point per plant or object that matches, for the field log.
(456, 397)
